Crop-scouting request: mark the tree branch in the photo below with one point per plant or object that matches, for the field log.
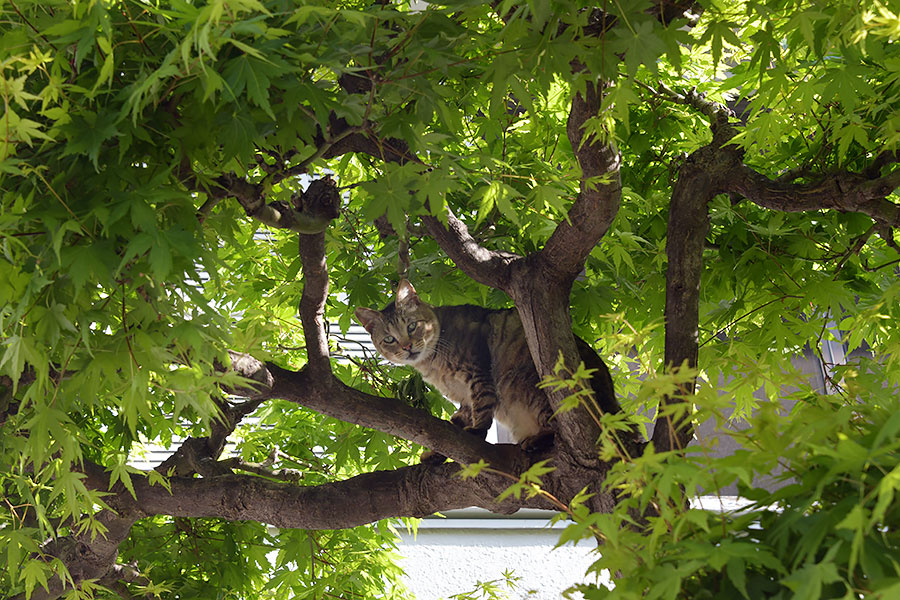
(415, 491)
(312, 302)
(598, 201)
(864, 192)
(845, 192)
(696, 186)
(485, 266)
(201, 454)
(312, 212)
(364, 142)
(89, 557)
(718, 168)
(326, 394)
(541, 283)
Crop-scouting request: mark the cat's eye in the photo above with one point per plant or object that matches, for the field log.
(389, 339)
(411, 327)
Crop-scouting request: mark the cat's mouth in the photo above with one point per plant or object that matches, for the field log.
(413, 355)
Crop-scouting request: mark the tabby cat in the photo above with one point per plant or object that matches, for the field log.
(479, 359)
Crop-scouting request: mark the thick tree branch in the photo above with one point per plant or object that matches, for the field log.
(312, 211)
(845, 192)
(699, 180)
(312, 302)
(864, 192)
(696, 186)
(544, 310)
(415, 491)
(488, 267)
(88, 557)
(598, 200)
(541, 283)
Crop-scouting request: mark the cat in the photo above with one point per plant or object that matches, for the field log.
(478, 358)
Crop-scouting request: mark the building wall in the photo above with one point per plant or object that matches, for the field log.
(813, 372)
(449, 556)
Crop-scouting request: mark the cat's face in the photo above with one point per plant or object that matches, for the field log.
(405, 332)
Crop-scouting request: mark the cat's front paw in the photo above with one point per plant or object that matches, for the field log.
(539, 442)
(479, 433)
(430, 457)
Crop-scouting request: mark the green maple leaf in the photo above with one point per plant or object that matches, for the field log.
(88, 131)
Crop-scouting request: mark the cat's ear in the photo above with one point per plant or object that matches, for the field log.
(367, 317)
(406, 293)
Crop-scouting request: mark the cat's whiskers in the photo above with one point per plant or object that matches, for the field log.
(443, 348)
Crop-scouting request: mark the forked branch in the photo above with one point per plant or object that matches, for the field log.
(719, 168)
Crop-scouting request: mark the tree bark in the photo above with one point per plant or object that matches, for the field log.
(415, 491)
(687, 227)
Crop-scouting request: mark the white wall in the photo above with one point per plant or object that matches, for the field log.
(449, 556)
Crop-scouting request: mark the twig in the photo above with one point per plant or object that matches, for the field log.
(854, 249)
(693, 98)
(747, 314)
(35, 29)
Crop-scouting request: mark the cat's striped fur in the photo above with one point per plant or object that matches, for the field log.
(476, 357)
